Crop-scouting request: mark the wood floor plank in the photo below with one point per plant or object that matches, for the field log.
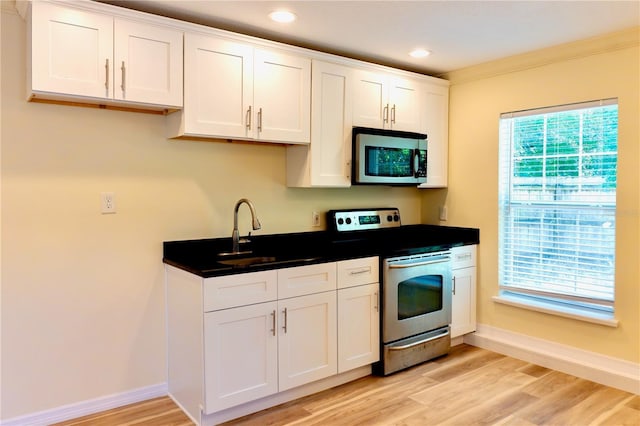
(553, 407)
(492, 411)
(467, 391)
(549, 383)
(592, 406)
(534, 370)
(625, 416)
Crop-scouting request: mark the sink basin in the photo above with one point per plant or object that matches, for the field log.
(248, 261)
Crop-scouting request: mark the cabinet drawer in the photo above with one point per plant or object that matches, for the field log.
(463, 257)
(241, 289)
(308, 279)
(355, 272)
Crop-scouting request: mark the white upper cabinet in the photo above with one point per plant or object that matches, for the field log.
(436, 119)
(92, 57)
(71, 51)
(148, 63)
(385, 101)
(218, 87)
(236, 91)
(326, 162)
(282, 96)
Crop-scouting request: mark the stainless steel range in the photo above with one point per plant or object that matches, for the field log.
(416, 294)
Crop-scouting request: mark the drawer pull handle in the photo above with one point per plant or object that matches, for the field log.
(464, 256)
(411, 345)
(360, 271)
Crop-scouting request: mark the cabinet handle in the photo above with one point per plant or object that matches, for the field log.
(454, 285)
(284, 327)
(393, 114)
(106, 75)
(385, 114)
(259, 119)
(249, 118)
(377, 302)
(122, 68)
(363, 270)
(273, 327)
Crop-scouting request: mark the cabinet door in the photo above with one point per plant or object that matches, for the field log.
(282, 97)
(72, 51)
(218, 87)
(327, 160)
(148, 63)
(406, 105)
(241, 351)
(307, 339)
(463, 301)
(370, 100)
(358, 327)
(436, 118)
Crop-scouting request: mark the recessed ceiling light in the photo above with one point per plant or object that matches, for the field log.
(282, 16)
(419, 53)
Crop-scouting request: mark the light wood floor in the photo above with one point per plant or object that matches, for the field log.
(470, 386)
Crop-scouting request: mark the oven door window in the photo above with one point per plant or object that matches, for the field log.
(388, 162)
(420, 295)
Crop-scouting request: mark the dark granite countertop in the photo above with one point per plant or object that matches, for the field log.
(200, 257)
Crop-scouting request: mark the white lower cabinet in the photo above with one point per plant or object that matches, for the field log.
(241, 338)
(359, 326)
(306, 339)
(358, 313)
(241, 355)
(463, 301)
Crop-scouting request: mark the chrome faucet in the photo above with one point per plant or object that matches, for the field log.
(255, 223)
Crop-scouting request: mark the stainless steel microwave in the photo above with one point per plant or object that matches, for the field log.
(388, 157)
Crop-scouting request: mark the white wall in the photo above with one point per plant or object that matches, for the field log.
(82, 293)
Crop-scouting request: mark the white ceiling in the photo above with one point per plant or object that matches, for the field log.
(459, 33)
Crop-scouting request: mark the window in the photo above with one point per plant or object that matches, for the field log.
(557, 204)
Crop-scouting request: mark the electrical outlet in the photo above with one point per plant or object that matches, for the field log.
(108, 202)
(443, 213)
(315, 219)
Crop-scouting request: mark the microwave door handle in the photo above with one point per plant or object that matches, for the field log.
(416, 162)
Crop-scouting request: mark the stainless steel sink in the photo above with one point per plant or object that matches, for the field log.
(248, 261)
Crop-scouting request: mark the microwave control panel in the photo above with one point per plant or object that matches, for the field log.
(362, 219)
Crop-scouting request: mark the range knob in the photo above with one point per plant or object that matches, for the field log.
(340, 221)
(396, 217)
(389, 218)
(348, 221)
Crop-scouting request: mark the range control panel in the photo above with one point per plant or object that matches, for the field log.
(362, 219)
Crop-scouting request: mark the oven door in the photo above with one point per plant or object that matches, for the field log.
(417, 295)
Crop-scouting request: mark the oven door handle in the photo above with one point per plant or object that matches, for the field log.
(411, 265)
(411, 345)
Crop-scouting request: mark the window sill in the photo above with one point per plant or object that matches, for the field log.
(586, 315)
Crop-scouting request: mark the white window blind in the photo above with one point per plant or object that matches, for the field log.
(557, 203)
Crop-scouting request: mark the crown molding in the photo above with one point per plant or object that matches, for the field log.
(592, 46)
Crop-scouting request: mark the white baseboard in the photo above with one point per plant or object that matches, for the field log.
(606, 370)
(91, 406)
